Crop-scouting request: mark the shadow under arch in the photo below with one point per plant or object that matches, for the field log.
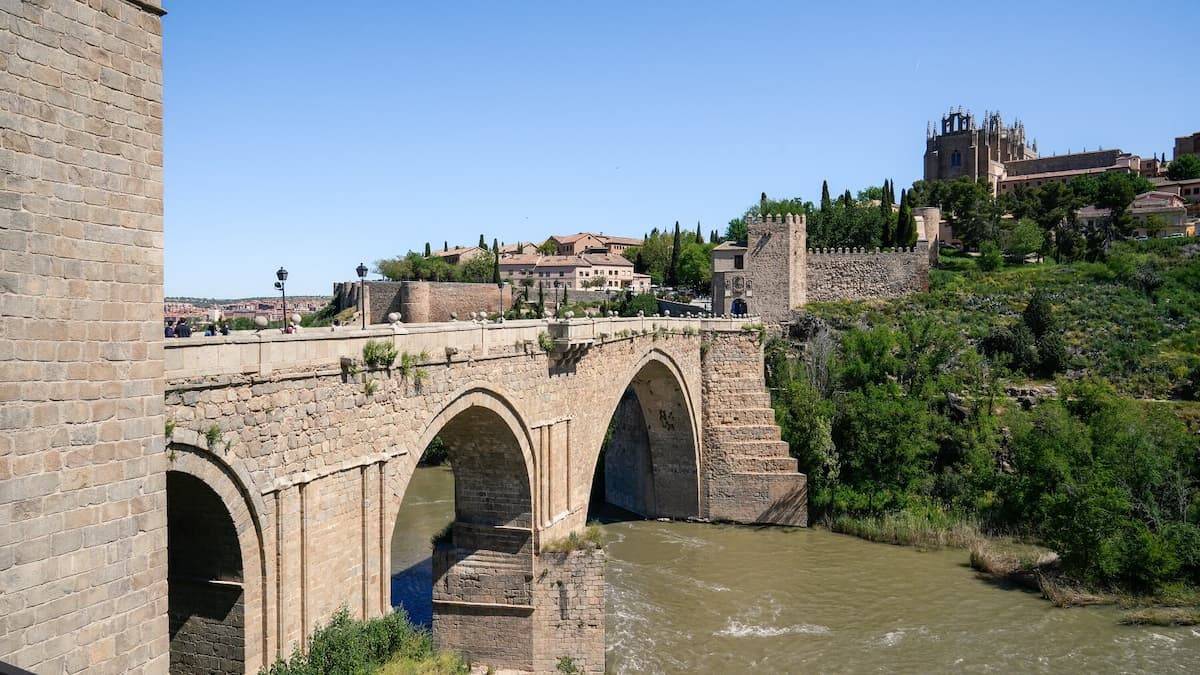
(649, 462)
(482, 564)
(206, 493)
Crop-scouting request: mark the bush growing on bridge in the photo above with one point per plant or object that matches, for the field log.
(379, 354)
(348, 646)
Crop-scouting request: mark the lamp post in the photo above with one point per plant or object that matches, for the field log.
(362, 287)
(500, 289)
(282, 275)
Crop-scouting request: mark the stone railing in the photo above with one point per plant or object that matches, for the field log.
(267, 351)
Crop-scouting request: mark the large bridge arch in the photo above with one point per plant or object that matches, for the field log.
(201, 485)
(482, 565)
(650, 460)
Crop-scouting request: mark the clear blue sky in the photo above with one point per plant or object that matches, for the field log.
(319, 134)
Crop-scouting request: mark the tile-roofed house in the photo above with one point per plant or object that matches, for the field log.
(596, 271)
(1168, 207)
(582, 242)
(458, 254)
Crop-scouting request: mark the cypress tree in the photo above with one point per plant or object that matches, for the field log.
(673, 270)
(906, 226)
(495, 262)
(427, 251)
(482, 243)
(712, 237)
(699, 235)
(639, 264)
(826, 201)
(445, 246)
(847, 199)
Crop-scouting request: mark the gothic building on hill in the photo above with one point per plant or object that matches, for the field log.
(962, 148)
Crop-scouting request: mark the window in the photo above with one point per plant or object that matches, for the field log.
(955, 159)
(739, 262)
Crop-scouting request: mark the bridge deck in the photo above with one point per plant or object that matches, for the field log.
(267, 351)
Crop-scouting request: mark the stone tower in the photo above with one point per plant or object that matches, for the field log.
(775, 265)
(83, 537)
(961, 148)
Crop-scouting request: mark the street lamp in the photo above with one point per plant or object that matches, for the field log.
(282, 275)
(362, 298)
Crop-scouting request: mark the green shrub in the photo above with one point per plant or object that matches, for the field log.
(347, 646)
(379, 354)
(990, 259)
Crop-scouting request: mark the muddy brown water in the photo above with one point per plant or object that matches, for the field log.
(688, 597)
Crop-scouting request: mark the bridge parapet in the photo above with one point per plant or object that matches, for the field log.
(265, 352)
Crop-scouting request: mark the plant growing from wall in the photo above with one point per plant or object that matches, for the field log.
(379, 354)
(370, 387)
(759, 329)
(169, 429)
(566, 666)
(212, 436)
(545, 342)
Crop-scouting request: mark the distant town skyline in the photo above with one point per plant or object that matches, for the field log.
(440, 123)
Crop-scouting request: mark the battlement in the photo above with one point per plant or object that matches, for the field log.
(774, 219)
(859, 250)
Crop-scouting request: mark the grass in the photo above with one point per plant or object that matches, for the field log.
(591, 539)
(920, 529)
(444, 663)
(1162, 616)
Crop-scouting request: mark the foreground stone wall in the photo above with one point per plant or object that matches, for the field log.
(569, 616)
(83, 564)
(845, 274)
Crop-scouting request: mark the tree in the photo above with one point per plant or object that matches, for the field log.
(445, 246)
(673, 268)
(695, 268)
(847, 199)
(699, 235)
(1022, 240)
(1184, 167)
(478, 269)
(482, 243)
(826, 201)
(906, 225)
(428, 252)
(1039, 315)
(736, 231)
(548, 247)
(495, 263)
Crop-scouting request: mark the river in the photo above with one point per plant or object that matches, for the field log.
(689, 597)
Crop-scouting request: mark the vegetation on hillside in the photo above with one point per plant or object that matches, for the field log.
(896, 411)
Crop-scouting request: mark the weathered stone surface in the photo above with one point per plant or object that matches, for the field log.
(330, 460)
(82, 507)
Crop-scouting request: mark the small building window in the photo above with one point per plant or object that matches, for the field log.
(955, 159)
(739, 262)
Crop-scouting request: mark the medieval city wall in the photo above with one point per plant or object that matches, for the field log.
(83, 566)
(858, 274)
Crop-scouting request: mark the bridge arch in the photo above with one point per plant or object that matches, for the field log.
(481, 566)
(649, 462)
(217, 583)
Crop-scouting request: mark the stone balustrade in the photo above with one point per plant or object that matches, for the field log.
(267, 351)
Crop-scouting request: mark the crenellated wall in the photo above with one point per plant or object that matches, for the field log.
(858, 274)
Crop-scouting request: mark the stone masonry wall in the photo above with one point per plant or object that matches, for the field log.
(425, 301)
(83, 569)
(844, 274)
(750, 474)
(569, 611)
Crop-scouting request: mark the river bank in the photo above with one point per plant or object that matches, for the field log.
(1017, 562)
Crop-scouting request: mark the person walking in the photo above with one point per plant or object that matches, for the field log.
(183, 330)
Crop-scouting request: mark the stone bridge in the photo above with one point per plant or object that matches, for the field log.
(289, 458)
